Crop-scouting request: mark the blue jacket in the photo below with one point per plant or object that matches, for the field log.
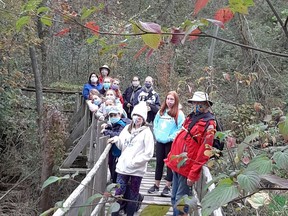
(114, 130)
(165, 128)
(87, 87)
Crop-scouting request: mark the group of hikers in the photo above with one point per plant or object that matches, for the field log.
(178, 138)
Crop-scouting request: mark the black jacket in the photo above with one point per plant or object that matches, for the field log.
(127, 98)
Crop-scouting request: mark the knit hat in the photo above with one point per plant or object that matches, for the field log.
(200, 97)
(141, 110)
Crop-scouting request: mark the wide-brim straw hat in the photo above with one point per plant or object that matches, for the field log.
(106, 67)
(200, 97)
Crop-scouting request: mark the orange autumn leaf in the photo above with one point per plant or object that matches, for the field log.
(199, 5)
(63, 32)
(194, 33)
(93, 27)
(224, 15)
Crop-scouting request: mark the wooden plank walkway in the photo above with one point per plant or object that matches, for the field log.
(147, 182)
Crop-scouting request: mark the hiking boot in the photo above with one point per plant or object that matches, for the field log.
(140, 199)
(153, 189)
(166, 192)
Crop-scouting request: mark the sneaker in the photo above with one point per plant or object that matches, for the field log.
(166, 192)
(140, 199)
(153, 189)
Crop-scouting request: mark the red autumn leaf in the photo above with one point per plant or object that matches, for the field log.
(122, 45)
(140, 51)
(151, 27)
(94, 28)
(176, 38)
(192, 35)
(63, 32)
(199, 5)
(231, 141)
(224, 15)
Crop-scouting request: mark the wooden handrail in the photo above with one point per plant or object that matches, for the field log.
(84, 183)
(51, 90)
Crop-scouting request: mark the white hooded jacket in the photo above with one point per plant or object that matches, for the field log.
(137, 149)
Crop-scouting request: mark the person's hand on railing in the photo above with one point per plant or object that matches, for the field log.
(101, 118)
(104, 125)
(113, 140)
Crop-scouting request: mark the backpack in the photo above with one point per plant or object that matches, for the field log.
(207, 117)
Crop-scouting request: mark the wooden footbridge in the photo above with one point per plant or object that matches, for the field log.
(85, 141)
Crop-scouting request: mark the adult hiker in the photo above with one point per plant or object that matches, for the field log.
(93, 83)
(104, 72)
(150, 97)
(166, 125)
(196, 136)
(129, 95)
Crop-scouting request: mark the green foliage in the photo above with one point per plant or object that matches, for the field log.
(46, 20)
(249, 181)
(43, 9)
(281, 159)
(22, 21)
(283, 127)
(224, 192)
(86, 12)
(240, 6)
(81, 210)
(278, 205)
(154, 210)
(260, 164)
(114, 207)
(53, 179)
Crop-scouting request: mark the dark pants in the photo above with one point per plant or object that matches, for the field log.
(162, 150)
(133, 183)
(112, 161)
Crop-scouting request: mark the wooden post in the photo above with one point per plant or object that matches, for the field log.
(100, 180)
(86, 124)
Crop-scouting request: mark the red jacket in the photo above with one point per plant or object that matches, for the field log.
(191, 169)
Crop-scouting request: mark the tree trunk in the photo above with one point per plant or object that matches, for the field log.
(44, 202)
(43, 48)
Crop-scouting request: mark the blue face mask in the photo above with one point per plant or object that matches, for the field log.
(97, 102)
(106, 85)
(197, 109)
(114, 120)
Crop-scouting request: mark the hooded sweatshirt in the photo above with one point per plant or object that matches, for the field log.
(165, 127)
(137, 149)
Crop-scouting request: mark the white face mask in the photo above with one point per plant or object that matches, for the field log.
(104, 72)
(135, 83)
(94, 79)
(135, 119)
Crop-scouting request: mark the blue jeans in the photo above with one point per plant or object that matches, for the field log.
(179, 189)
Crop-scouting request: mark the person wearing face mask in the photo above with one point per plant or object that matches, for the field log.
(166, 125)
(129, 94)
(94, 101)
(150, 96)
(196, 137)
(106, 85)
(102, 112)
(116, 87)
(93, 83)
(104, 72)
(113, 128)
(136, 143)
